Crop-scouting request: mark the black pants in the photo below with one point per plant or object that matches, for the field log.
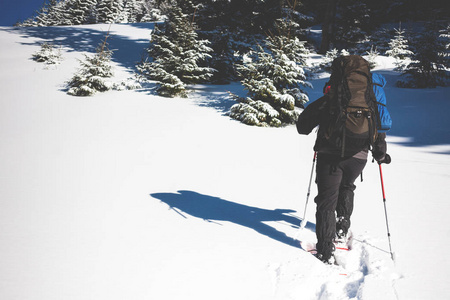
(335, 182)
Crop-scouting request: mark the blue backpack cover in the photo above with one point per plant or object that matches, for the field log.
(379, 82)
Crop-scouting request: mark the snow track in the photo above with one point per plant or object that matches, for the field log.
(366, 268)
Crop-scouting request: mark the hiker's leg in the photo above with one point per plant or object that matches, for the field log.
(352, 168)
(329, 177)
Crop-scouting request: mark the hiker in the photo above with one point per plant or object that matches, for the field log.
(347, 131)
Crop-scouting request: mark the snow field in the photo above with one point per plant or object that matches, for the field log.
(125, 195)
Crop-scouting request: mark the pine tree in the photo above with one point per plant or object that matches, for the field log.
(445, 34)
(41, 18)
(48, 54)
(93, 73)
(53, 13)
(57, 14)
(274, 78)
(81, 11)
(427, 69)
(445, 37)
(133, 11)
(353, 23)
(398, 49)
(108, 11)
(176, 53)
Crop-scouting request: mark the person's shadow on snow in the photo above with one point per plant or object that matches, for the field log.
(213, 209)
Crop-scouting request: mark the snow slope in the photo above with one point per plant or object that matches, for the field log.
(126, 195)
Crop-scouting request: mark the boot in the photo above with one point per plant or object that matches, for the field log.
(325, 232)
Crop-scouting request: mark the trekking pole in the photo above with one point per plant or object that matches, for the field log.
(385, 213)
(303, 222)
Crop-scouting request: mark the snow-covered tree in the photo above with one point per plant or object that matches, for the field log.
(176, 56)
(445, 37)
(445, 34)
(372, 56)
(93, 74)
(328, 59)
(52, 13)
(57, 14)
(398, 49)
(330, 56)
(132, 12)
(427, 68)
(81, 11)
(48, 54)
(108, 11)
(40, 19)
(398, 46)
(274, 78)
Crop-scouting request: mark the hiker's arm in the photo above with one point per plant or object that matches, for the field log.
(310, 117)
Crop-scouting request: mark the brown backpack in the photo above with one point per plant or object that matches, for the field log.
(351, 117)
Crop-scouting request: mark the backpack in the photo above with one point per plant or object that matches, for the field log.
(352, 118)
(379, 82)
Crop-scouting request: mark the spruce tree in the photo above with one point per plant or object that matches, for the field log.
(445, 37)
(274, 78)
(133, 11)
(398, 49)
(176, 55)
(41, 18)
(427, 69)
(81, 11)
(53, 13)
(57, 14)
(108, 11)
(93, 74)
(48, 54)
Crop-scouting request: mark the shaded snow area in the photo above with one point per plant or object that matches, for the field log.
(127, 195)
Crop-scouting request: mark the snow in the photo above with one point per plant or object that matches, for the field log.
(127, 195)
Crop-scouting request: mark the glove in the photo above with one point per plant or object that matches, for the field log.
(386, 159)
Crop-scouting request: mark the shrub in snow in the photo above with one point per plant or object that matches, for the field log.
(328, 59)
(176, 56)
(330, 56)
(48, 54)
(93, 75)
(427, 68)
(258, 113)
(128, 84)
(372, 56)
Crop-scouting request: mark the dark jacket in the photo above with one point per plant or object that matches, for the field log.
(316, 113)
